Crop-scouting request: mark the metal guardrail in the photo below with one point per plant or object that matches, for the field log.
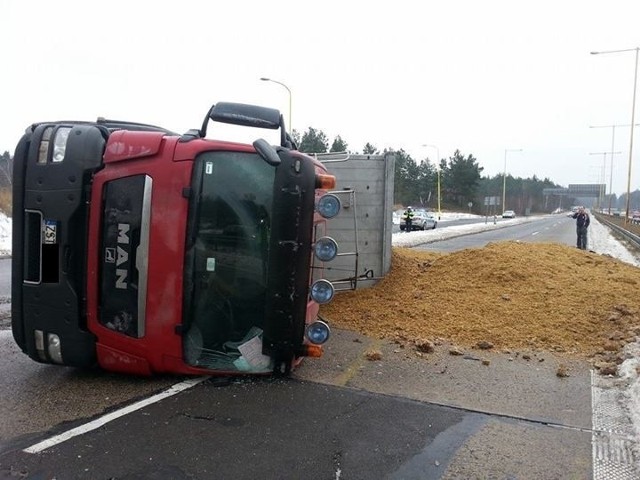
(628, 235)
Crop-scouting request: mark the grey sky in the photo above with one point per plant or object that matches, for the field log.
(479, 76)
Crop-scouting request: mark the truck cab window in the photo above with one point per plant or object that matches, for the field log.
(227, 261)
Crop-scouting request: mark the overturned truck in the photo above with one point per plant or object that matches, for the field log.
(143, 251)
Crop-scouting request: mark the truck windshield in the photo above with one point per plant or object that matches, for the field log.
(226, 261)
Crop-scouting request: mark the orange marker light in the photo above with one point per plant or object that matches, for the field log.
(326, 182)
(313, 351)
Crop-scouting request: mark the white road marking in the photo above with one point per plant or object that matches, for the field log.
(534, 233)
(99, 422)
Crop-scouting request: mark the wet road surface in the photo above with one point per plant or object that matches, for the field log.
(339, 417)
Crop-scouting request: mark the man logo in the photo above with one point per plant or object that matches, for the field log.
(122, 256)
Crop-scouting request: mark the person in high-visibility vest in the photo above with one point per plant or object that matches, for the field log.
(407, 216)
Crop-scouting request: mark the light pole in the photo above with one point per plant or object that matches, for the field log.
(504, 176)
(265, 79)
(438, 171)
(613, 138)
(633, 114)
(601, 193)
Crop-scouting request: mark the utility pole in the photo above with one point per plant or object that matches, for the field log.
(633, 114)
(613, 139)
(602, 193)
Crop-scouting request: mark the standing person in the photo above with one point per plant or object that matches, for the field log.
(407, 216)
(582, 224)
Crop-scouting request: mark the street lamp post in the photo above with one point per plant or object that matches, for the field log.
(265, 79)
(438, 172)
(633, 114)
(613, 139)
(604, 178)
(504, 176)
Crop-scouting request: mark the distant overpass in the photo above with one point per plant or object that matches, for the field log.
(580, 192)
(591, 190)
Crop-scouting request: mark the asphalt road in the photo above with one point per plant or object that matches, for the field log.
(460, 221)
(402, 417)
(553, 228)
(339, 417)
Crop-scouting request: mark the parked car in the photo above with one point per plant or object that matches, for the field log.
(423, 220)
(508, 214)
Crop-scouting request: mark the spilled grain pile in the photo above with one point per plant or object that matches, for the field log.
(511, 295)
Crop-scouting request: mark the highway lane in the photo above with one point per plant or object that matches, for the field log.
(555, 228)
(339, 417)
(460, 221)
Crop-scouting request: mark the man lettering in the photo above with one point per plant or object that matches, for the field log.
(123, 231)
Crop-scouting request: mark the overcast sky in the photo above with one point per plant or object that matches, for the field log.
(478, 76)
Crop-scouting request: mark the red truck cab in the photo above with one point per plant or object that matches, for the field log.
(144, 251)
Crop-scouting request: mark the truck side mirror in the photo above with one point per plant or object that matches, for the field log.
(267, 152)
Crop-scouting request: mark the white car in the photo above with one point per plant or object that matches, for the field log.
(423, 220)
(508, 214)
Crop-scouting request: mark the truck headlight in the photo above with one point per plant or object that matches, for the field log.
(54, 347)
(43, 148)
(318, 332)
(38, 337)
(325, 249)
(322, 291)
(328, 205)
(60, 144)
